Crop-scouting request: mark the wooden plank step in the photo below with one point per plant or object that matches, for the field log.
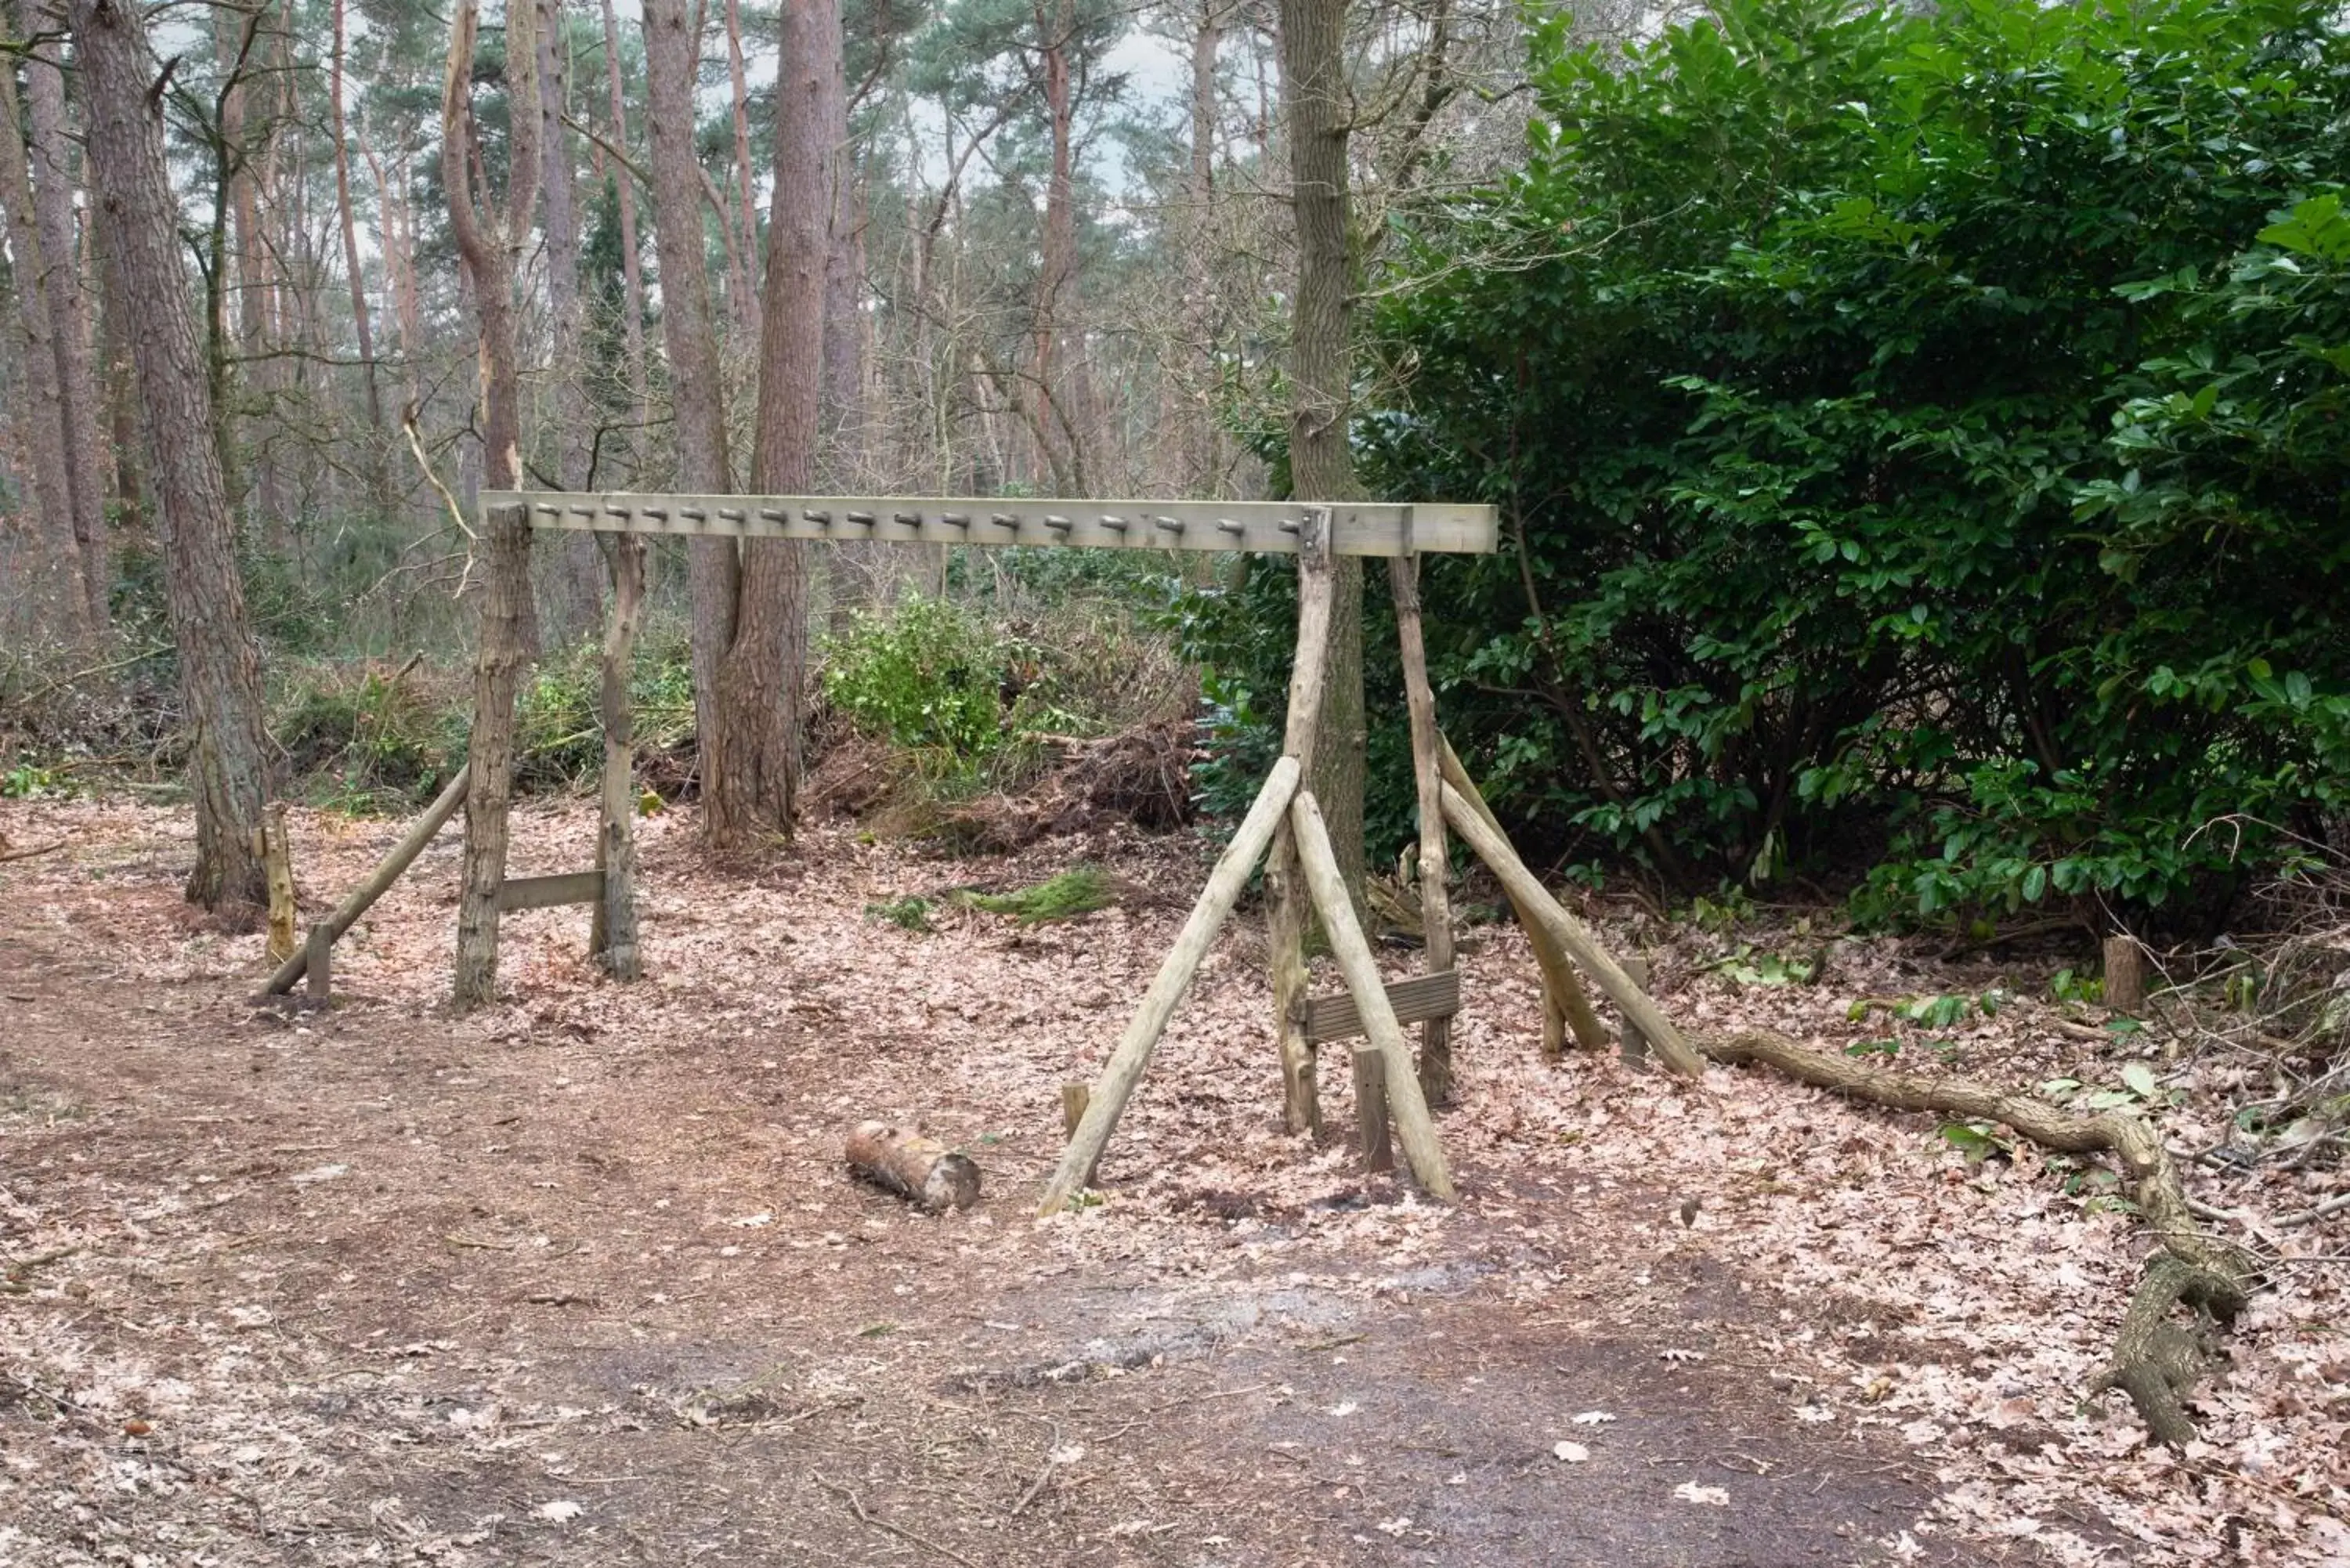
(547, 892)
(1415, 1001)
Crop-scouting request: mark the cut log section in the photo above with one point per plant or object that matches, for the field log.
(921, 1169)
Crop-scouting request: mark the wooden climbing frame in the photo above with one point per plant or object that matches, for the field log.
(1283, 829)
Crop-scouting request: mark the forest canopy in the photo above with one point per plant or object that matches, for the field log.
(1920, 444)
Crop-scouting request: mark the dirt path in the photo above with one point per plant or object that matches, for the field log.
(580, 1280)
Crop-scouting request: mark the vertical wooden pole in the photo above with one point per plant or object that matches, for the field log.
(1415, 1128)
(277, 862)
(1428, 775)
(1073, 1107)
(1290, 907)
(1371, 1109)
(612, 930)
(1563, 1002)
(320, 955)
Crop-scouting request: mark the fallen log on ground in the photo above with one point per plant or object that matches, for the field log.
(921, 1169)
(2158, 1358)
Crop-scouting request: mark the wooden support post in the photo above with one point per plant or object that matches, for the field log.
(1371, 1138)
(321, 954)
(387, 872)
(1564, 1006)
(1571, 936)
(1118, 1079)
(1633, 1043)
(277, 862)
(507, 633)
(1327, 885)
(2125, 974)
(612, 929)
(1288, 904)
(1073, 1107)
(1435, 866)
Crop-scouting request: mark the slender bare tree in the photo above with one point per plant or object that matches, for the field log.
(220, 667)
(490, 236)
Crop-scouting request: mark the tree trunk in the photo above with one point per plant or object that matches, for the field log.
(488, 244)
(760, 683)
(632, 335)
(220, 667)
(378, 464)
(1321, 462)
(580, 572)
(1058, 416)
(1204, 460)
(746, 305)
(63, 593)
(53, 198)
(732, 807)
(128, 487)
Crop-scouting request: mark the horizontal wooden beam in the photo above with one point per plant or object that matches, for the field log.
(547, 892)
(1265, 527)
(1415, 1001)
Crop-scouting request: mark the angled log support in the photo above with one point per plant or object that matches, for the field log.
(1407, 1107)
(1107, 1098)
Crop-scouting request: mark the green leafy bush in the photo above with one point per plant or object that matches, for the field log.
(1920, 447)
(927, 676)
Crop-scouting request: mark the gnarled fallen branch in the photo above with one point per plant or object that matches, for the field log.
(2156, 1358)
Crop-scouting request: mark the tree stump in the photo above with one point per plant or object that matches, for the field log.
(921, 1169)
(2125, 974)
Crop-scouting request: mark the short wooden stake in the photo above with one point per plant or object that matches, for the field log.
(2125, 974)
(1371, 1109)
(277, 863)
(1073, 1107)
(1415, 1128)
(1109, 1093)
(319, 954)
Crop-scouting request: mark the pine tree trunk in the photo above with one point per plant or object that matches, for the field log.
(633, 336)
(64, 599)
(760, 687)
(579, 571)
(1321, 462)
(127, 486)
(746, 305)
(730, 818)
(220, 668)
(53, 198)
(378, 464)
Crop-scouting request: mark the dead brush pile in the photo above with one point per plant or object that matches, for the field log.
(937, 724)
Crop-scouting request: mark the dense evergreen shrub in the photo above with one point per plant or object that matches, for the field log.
(1920, 446)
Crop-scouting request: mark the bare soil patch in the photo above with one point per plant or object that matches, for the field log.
(582, 1279)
